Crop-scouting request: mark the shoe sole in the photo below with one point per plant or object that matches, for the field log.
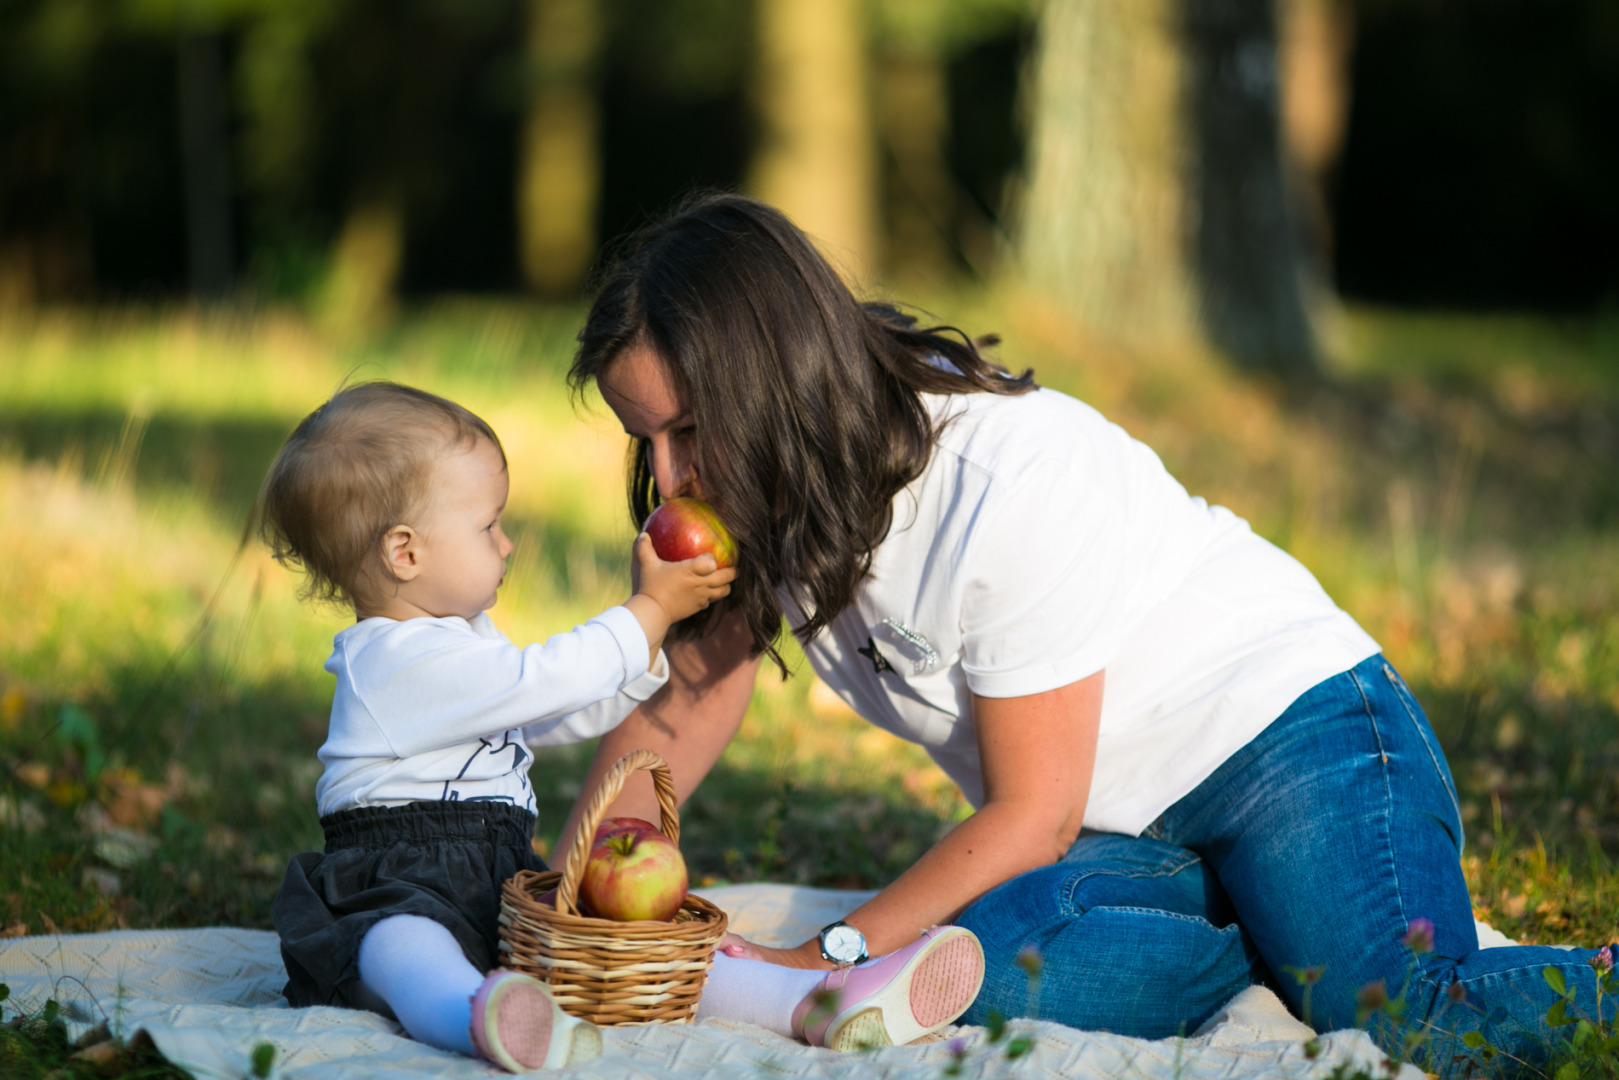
(584, 1044)
(523, 1029)
(935, 986)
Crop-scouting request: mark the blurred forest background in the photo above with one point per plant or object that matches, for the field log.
(1350, 266)
(345, 154)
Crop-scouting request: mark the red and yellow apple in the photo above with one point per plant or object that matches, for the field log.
(683, 528)
(633, 872)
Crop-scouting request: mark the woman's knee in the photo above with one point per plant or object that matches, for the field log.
(1111, 871)
(1133, 971)
(1129, 936)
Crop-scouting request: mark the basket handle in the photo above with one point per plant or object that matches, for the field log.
(662, 783)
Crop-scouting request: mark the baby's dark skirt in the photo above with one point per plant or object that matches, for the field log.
(445, 861)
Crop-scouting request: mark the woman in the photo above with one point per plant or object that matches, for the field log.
(993, 570)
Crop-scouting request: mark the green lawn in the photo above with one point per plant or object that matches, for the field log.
(1455, 485)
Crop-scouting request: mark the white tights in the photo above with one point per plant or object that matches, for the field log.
(756, 992)
(416, 966)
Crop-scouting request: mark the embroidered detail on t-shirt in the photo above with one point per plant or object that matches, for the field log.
(930, 655)
(879, 662)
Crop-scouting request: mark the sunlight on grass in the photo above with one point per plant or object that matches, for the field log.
(161, 691)
(96, 579)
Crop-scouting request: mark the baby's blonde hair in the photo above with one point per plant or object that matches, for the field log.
(350, 471)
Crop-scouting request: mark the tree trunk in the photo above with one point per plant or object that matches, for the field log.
(1317, 37)
(45, 253)
(1155, 206)
(366, 261)
(1255, 282)
(560, 166)
(815, 158)
(920, 194)
(1104, 213)
(205, 154)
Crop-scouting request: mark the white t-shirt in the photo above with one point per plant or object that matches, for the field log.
(444, 709)
(1043, 544)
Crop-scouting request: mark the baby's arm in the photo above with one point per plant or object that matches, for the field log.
(666, 592)
(597, 719)
(428, 684)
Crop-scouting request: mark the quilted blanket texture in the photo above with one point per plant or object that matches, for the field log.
(207, 997)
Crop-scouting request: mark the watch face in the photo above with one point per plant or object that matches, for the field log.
(844, 944)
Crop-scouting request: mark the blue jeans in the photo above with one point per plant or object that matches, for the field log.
(1314, 845)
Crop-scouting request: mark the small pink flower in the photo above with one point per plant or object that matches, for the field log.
(1419, 936)
(1603, 960)
(957, 1047)
(1456, 992)
(1373, 996)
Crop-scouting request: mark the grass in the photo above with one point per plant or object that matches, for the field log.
(1455, 485)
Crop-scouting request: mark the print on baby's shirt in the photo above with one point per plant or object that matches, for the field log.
(520, 759)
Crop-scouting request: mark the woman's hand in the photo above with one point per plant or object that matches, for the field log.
(1037, 752)
(807, 955)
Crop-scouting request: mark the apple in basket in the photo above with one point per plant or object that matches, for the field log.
(633, 872)
(683, 528)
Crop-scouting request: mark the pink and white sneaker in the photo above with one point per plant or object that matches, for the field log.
(517, 1025)
(896, 998)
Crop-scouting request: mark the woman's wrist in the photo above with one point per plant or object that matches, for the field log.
(808, 955)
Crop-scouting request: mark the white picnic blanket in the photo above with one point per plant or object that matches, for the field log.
(207, 997)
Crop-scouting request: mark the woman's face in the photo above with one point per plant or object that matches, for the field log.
(637, 387)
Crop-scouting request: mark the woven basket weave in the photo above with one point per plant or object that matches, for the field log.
(607, 972)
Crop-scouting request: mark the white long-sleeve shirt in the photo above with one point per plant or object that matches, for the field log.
(446, 708)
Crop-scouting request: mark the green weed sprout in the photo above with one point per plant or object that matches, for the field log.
(35, 1046)
(1307, 978)
(1585, 1045)
(1382, 1015)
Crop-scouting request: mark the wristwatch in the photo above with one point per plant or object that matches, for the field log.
(842, 943)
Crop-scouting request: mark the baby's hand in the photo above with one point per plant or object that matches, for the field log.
(680, 588)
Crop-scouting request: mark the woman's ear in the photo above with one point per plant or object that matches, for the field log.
(401, 553)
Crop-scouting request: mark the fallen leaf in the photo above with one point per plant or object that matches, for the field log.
(102, 880)
(134, 803)
(13, 703)
(36, 774)
(21, 813)
(66, 792)
(100, 1055)
(123, 848)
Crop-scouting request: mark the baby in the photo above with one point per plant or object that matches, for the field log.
(389, 500)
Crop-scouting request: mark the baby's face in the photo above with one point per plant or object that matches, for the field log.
(463, 547)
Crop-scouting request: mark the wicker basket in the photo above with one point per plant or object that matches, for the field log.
(607, 972)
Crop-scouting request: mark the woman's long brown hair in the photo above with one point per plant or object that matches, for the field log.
(807, 403)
